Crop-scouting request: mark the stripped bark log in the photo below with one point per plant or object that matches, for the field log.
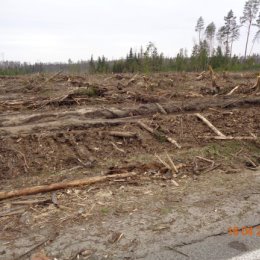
(173, 166)
(233, 90)
(123, 134)
(212, 127)
(249, 138)
(62, 185)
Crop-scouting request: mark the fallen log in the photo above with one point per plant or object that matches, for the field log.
(249, 138)
(96, 117)
(122, 134)
(62, 185)
(212, 127)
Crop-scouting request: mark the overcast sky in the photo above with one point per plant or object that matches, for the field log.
(56, 30)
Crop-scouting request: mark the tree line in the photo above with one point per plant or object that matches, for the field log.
(214, 47)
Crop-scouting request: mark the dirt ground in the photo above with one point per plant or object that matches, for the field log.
(56, 128)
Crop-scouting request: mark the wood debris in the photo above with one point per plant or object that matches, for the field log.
(210, 125)
(122, 134)
(158, 134)
(161, 109)
(62, 185)
(233, 90)
(256, 87)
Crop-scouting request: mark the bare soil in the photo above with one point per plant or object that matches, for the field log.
(58, 129)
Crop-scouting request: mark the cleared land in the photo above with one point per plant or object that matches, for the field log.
(59, 128)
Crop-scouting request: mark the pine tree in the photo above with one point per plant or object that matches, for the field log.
(257, 34)
(210, 35)
(235, 33)
(249, 15)
(221, 36)
(199, 27)
(131, 54)
(228, 33)
(92, 68)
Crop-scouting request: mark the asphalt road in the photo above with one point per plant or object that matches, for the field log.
(219, 247)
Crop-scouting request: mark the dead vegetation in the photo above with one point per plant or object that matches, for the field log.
(61, 131)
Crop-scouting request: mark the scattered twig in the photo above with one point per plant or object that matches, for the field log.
(175, 183)
(26, 166)
(12, 212)
(211, 169)
(170, 140)
(117, 148)
(173, 166)
(169, 168)
(250, 161)
(162, 110)
(85, 164)
(26, 254)
(205, 159)
(163, 162)
(116, 237)
(31, 202)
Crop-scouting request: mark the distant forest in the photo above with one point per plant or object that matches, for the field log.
(214, 47)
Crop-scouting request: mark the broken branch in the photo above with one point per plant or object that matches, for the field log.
(61, 185)
(158, 134)
(173, 166)
(233, 90)
(162, 110)
(163, 162)
(117, 148)
(212, 127)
